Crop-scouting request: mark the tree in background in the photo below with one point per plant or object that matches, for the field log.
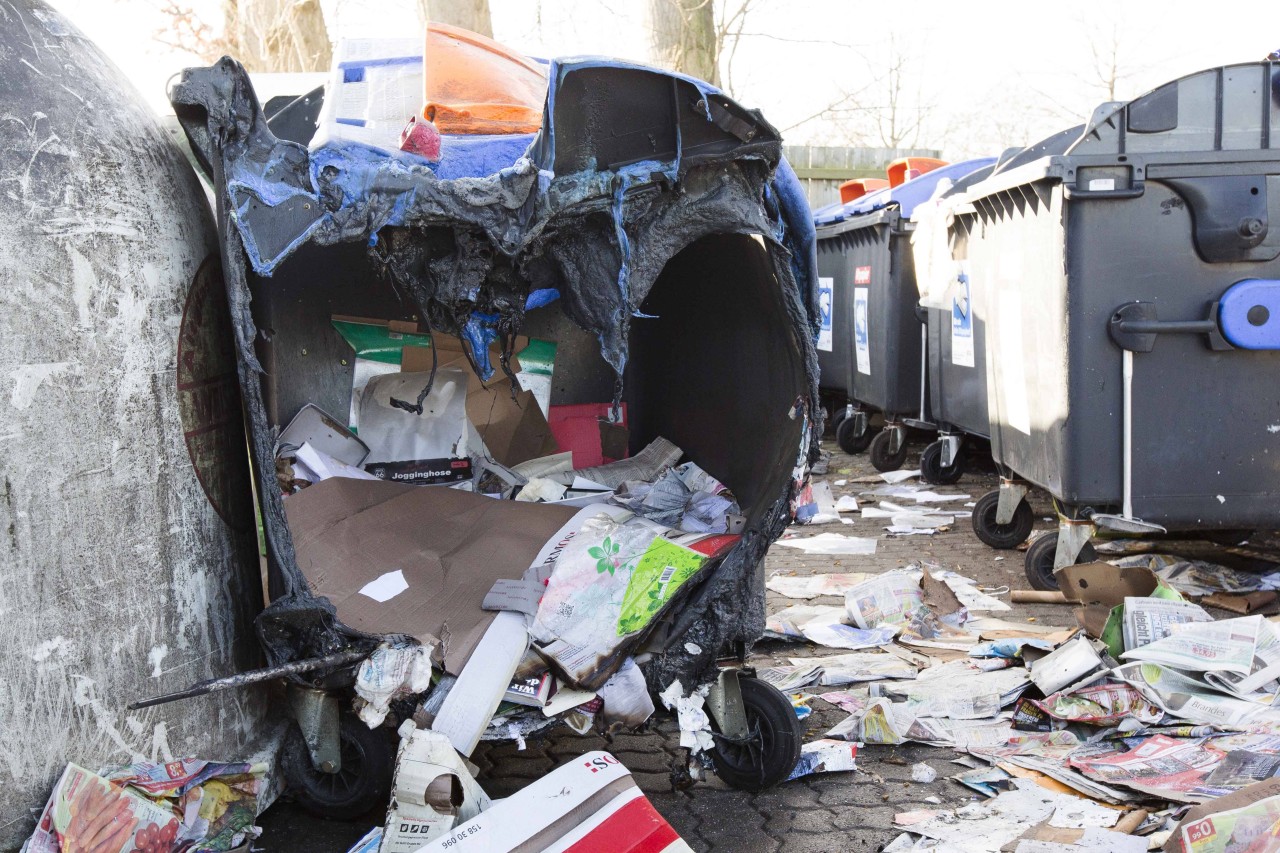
(277, 35)
(683, 38)
(265, 35)
(469, 14)
(288, 35)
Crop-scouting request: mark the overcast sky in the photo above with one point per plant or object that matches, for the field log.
(975, 76)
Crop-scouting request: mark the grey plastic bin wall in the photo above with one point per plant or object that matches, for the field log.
(1124, 257)
(869, 259)
(835, 356)
(955, 360)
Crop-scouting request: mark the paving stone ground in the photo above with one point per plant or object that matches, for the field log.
(850, 811)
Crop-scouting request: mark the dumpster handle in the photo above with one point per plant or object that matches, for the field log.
(1073, 192)
(1135, 326)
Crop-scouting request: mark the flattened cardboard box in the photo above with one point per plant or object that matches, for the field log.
(433, 789)
(450, 546)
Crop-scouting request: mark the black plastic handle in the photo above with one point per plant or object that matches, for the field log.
(1135, 191)
(1134, 327)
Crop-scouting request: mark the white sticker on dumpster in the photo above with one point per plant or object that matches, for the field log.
(1012, 363)
(826, 302)
(860, 336)
(961, 317)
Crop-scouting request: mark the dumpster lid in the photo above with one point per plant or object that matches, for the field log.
(1057, 143)
(1230, 108)
(1223, 114)
(906, 196)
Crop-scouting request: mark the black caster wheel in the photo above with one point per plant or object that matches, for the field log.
(848, 440)
(771, 749)
(838, 414)
(932, 470)
(1004, 537)
(1039, 562)
(881, 458)
(363, 783)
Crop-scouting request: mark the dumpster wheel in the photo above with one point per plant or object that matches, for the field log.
(1038, 564)
(932, 470)
(1004, 537)
(850, 441)
(771, 749)
(363, 783)
(882, 457)
(838, 414)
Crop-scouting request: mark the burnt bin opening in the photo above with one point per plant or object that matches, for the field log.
(715, 367)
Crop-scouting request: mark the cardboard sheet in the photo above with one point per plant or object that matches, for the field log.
(449, 547)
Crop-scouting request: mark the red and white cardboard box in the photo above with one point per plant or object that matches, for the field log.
(589, 805)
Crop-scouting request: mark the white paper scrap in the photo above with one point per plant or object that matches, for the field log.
(831, 543)
(386, 587)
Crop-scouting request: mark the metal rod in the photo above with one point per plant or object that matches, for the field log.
(1128, 434)
(924, 360)
(244, 679)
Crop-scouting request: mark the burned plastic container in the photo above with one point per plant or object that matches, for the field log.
(650, 228)
(1130, 286)
(865, 261)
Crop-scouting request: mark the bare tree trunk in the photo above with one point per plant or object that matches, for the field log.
(469, 14)
(277, 35)
(685, 38)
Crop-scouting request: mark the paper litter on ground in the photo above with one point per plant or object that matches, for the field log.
(986, 826)
(831, 543)
(813, 586)
(825, 756)
(847, 503)
(786, 624)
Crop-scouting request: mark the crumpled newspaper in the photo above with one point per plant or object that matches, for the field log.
(685, 497)
(695, 725)
(389, 672)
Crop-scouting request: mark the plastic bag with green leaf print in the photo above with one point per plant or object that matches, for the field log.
(614, 576)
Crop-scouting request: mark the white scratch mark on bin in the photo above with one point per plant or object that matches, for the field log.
(28, 379)
(60, 646)
(156, 657)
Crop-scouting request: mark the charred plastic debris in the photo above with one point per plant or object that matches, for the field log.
(526, 410)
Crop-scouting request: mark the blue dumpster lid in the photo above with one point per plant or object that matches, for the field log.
(907, 195)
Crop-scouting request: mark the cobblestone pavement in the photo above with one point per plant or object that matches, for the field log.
(832, 812)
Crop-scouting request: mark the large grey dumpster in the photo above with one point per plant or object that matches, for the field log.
(129, 558)
(1132, 290)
